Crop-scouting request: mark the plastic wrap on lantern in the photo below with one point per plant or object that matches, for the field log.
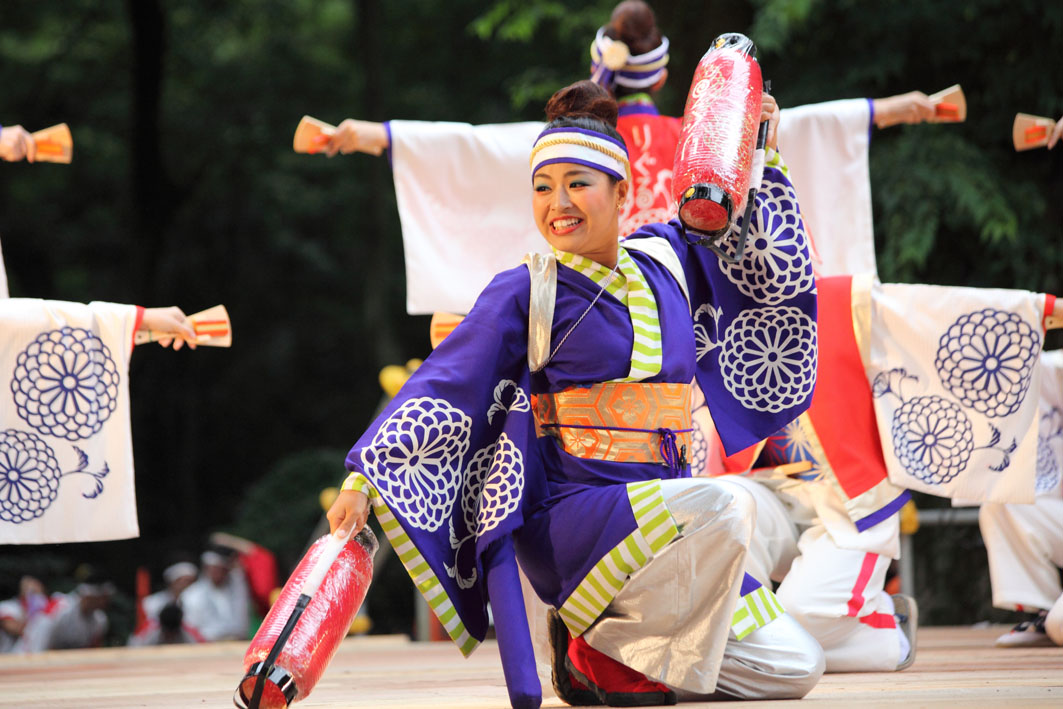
(317, 634)
(714, 158)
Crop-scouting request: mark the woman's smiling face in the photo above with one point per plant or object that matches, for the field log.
(577, 210)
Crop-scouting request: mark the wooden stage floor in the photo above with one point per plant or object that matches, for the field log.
(954, 667)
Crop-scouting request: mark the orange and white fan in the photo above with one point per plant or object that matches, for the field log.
(1029, 132)
(311, 135)
(442, 325)
(54, 144)
(212, 328)
(950, 105)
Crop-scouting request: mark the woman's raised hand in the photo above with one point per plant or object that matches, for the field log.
(912, 107)
(172, 321)
(357, 136)
(769, 111)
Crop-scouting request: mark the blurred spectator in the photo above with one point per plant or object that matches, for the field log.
(259, 565)
(168, 628)
(178, 577)
(216, 605)
(71, 620)
(16, 612)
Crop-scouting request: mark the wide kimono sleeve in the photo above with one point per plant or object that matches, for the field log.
(448, 466)
(459, 187)
(755, 319)
(827, 147)
(955, 374)
(65, 437)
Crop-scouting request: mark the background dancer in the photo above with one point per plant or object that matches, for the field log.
(828, 141)
(1024, 543)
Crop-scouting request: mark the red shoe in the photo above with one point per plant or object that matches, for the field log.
(613, 683)
(568, 688)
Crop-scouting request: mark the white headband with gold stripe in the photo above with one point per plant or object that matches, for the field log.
(583, 147)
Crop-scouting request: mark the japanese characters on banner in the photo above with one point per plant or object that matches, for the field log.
(66, 458)
(956, 382)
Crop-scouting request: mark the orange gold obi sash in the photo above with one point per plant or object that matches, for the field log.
(624, 422)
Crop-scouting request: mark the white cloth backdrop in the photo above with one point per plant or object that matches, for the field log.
(956, 379)
(66, 457)
(464, 198)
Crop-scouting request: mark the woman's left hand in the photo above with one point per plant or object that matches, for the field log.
(769, 111)
(171, 321)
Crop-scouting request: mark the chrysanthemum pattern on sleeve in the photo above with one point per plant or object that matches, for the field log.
(1050, 432)
(765, 341)
(776, 265)
(986, 358)
(933, 437)
(769, 357)
(415, 460)
(30, 475)
(65, 384)
(494, 483)
(952, 373)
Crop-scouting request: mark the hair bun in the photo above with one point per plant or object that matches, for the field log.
(634, 24)
(583, 99)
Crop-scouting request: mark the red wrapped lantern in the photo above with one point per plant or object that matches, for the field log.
(303, 629)
(714, 161)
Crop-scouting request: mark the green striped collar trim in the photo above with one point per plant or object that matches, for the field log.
(416, 566)
(630, 287)
(755, 610)
(655, 529)
(647, 353)
(595, 271)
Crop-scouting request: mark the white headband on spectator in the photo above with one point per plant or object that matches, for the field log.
(583, 147)
(176, 571)
(213, 558)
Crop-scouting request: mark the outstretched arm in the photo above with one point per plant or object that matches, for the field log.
(912, 107)
(358, 136)
(171, 321)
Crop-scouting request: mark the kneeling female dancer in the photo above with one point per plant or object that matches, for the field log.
(551, 429)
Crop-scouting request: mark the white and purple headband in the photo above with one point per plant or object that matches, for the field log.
(583, 147)
(613, 65)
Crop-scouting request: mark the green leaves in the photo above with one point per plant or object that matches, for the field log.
(926, 180)
(776, 20)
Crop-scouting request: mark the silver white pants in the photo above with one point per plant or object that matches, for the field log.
(671, 621)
